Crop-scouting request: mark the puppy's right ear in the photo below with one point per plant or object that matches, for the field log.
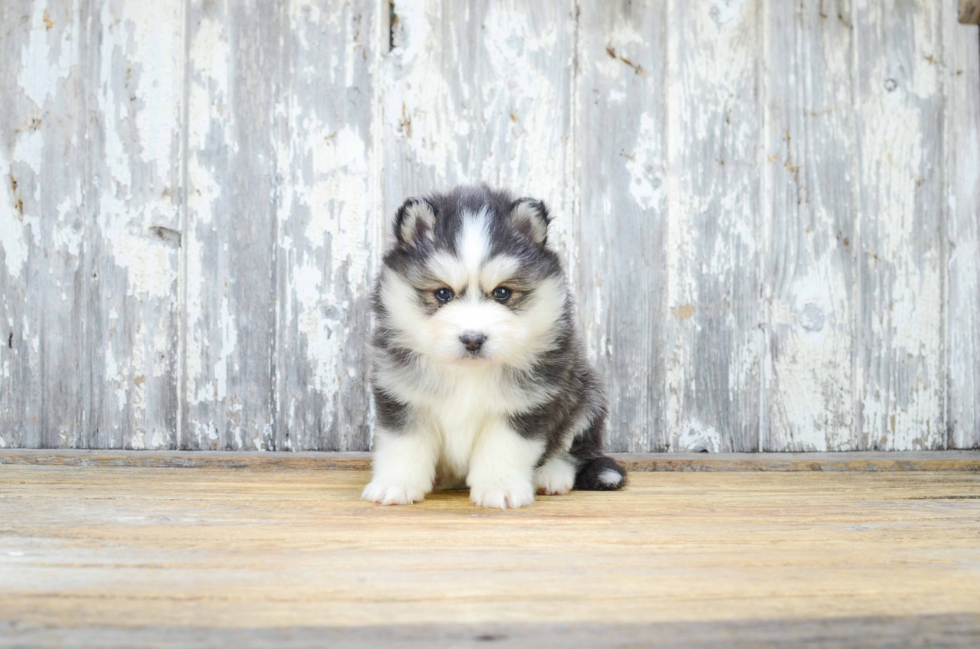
(415, 219)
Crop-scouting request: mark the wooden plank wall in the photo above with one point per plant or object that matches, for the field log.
(770, 210)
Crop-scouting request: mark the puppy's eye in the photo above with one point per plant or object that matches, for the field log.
(443, 294)
(501, 294)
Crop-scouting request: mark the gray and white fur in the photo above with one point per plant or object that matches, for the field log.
(478, 372)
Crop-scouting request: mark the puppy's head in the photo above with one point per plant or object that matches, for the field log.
(470, 280)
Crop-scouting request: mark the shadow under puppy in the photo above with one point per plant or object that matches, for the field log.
(478, 372)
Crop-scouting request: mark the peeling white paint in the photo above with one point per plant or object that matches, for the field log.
(47, 59)
(116, 378)
(697, 437)
(338, 199)
(12, 239)
(712, 186)
(900, 368)
(66, 236)
(854, 353)
(315, 328)
(229, 340)
(196, 339)
(150, 267)
(155, 33)
(645, 187)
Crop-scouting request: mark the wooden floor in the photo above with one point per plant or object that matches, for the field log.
(127, 557)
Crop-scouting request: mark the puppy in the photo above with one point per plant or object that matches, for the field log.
(479, 375)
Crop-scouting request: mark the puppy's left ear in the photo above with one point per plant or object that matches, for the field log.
(530, 217)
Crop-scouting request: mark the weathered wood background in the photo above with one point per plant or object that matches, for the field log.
(770, 210)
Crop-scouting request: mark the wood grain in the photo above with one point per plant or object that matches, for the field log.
(90, 157)
(135, 156)
(955, 631)
(769, 211)
(898, 228)
(43, 294)
(210, 551)
(229, 300)
(621, 269)
(329, 227)
(714, 324)
(809, 262)
(961, 79)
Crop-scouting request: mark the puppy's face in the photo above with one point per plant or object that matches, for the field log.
(470, 281)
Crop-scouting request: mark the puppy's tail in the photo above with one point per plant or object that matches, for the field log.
(600, 473)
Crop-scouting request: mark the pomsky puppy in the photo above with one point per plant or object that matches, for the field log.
(478, 372)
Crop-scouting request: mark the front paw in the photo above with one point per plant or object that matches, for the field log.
(503, 496)
(555, 478)
(392, 494)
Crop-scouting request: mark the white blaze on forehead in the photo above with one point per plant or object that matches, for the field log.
(473, 243)
(462, 270)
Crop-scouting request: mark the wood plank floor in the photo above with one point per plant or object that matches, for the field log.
(127, 557)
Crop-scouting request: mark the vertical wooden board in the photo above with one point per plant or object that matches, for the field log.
(330, 233)
(90, 155)
(900, 371)
(621, 272)
(230, 235)
(134, 77)
(44, 227)
(714, 324)
(809, 211)
(481, 92)
(961, 75)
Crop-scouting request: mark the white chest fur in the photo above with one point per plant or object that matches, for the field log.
(454, 404)
(473, 398)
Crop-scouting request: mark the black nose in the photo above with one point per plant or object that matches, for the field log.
(473, 341)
